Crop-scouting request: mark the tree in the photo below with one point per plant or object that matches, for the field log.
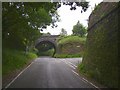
(63, 32)
(79, 30)
(73, 5)
(22, 20)
(46, 34)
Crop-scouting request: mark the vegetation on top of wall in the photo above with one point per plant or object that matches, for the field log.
(72, 39)
(67, 55)
(70, 46)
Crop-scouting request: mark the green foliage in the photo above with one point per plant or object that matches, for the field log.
(73, 5)
(60, 38)
(46, 34)
(49, 52)
(22, 21)
(88, 73)
(79, 30)
(67, 55)
(96, 7)
(63, 32)
(81, 68)
(71, 39)
(45, 48)
(14, 60)
(70, 46)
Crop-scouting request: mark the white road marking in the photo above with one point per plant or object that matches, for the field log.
(70, 65)
(90, 83)
(18, 75)
(75, 72)
(93, 85)
(78, 75)
(84, 80)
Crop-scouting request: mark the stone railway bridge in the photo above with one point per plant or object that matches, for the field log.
(50, 39)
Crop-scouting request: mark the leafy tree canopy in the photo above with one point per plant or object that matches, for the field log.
(79, 29)
(21, 21)
(63, 32)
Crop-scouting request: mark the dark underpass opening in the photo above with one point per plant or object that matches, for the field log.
(46, 48)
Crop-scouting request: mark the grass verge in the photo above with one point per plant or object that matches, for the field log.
(13, 60)
(88, 75)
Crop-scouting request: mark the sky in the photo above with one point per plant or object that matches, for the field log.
(69, 18)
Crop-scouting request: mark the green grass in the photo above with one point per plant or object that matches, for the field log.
(72, 39)
(67, 55)
(13, 60)
(82, 70)
(46, 53)
(70, 46)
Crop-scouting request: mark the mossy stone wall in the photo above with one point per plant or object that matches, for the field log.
(72, 48)
(101, 53)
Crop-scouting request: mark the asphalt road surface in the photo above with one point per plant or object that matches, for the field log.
(49, 72)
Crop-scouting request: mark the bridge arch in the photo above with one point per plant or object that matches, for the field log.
(47, 42)
(51, 40)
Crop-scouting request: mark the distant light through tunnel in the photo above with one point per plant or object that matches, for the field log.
(45, 48)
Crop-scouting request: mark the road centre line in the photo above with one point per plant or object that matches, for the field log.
(18, 75)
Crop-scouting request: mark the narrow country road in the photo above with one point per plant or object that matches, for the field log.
(49, 72)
